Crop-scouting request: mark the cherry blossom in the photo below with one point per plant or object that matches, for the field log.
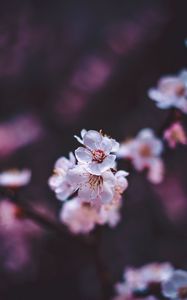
(15, 178)
(139, 279)
(82, 217)
(175, 287)
(96, 151)
(175, 134)
(171, 92)
(144, 151)
(59, 181)
(79, 217)
(97, 196)
(92, 188)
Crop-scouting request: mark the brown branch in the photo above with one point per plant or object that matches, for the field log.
(26, 210)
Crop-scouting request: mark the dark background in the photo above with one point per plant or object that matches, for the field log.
(88, 64)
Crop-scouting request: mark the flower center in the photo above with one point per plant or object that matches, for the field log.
(177, 89)
(178, 136)
(182, 292)
(180, 90)
(86, 205)
(95, 181)
(145, 151)
(98, 155)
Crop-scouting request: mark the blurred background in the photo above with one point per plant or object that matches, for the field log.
(68, 65)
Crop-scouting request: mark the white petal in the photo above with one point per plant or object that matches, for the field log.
(79, 139)
(54, 181)
(93, 168)
(65, 193)
(169, 290)
(98, 168)
(87, 194)
(146, 133)
(106, 144)
(156, 171)
(107, 163)
(72, 158)
(182, 104)
(83, 132)
(115, 145)
(109, 178)
(107, 194)
(77, 175)
(121, 173)
(124, 150)
(121, 180)
(180, 278)
(83, 155)
(92, 139)
(62, 163)
(157, 147)
(177, 280)
(163, 101)
(139, 162)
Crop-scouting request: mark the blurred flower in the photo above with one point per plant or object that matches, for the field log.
(175, 134)
(18, 132)
(171, 92)
(8, 213)
(17, 234)
(15, 178)
(59, 181)
(92, 74)
(96, 153)
(140, 279)
(144, 151)
(81, 217)
(175, 287)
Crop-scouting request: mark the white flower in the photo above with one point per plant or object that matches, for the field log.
(175, 287)
(171, 92)
(15, 178)
(82, 217)
(144, 151)
(92, 188)
(96, 151)
(175, 134)
(79, 217)
(139, 279)
(59, 181)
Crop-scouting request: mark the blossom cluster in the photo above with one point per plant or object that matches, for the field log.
(144, 152)
(90, 179)
(173, 283)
